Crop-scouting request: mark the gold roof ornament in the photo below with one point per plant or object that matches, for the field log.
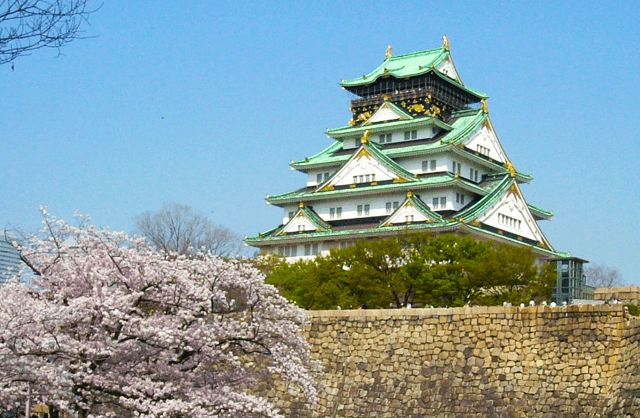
(409, 194)
(445, 41)
(301, 205)
(485, 108)
(365, 137)
(388, 54)
(510, 168)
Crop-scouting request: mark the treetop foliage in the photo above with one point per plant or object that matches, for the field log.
(417, 269)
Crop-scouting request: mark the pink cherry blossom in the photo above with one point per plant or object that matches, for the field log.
(111, 327)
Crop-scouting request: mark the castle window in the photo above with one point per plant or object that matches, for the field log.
(460, 198)
(335, 213)
(408, 218)
(288, 250)
(291, 215)
(435, 203)
(429, 165)
(319, 178)
(389, 205)
(385, 139)
(326, 176)
(443, 202)
(410, 135)
(457, 167)
(483, 150)
(364, 178)
(301, 228)
(509, 221)
(473, 175)
(363, 210)
(310, 249)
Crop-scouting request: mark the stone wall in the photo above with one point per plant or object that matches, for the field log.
(625, 294)
(578, 361)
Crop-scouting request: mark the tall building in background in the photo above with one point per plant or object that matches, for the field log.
(419, 154)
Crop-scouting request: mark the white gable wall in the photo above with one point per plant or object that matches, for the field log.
(514, 208)
(298, 224)
(446, 67)
(484, 140)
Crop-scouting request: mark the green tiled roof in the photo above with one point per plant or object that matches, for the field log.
(409, 65)
(374, 149)
(493, 192)
(419, 204)
(540, 213)
(314, 218)
(537, 248)
(400, 66)
(464, 124)
(446, 179)
(472, 211)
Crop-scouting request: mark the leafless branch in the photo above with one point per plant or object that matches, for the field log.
(178, 228)
(27, 25)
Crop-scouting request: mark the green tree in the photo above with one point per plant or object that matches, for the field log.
(418, 269)
(510, 273)
(448, 259)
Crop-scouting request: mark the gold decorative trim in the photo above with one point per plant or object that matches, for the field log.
(485, 108)
(445, 41)
(510, 168)
(409, 194)
(388, 54)
(363, 153)
(365, 136)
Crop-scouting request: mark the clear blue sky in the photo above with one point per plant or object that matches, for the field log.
(206, 102)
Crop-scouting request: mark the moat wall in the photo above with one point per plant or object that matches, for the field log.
(578, 361)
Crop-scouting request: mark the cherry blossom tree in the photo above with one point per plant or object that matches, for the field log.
(112, 327)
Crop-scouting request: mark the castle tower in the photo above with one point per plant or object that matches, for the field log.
(419, 154)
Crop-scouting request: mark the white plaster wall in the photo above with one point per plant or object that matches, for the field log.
(349, 206)
(424, 132)
(414, 164)
(349, 143)
(287, 209)
(465, 165)
(377, 203)
(312, 176)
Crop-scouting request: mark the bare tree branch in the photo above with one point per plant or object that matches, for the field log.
(600, 275)
(27, 25)
(178, 228)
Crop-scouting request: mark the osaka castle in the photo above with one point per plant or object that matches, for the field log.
(419, 154)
